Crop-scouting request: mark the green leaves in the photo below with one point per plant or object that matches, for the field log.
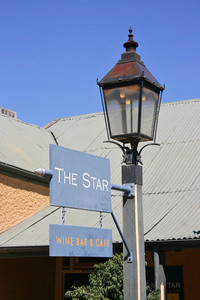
(106, 283)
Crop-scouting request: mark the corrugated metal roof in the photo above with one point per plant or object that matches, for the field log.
(23, 145)
(171, 176)
(174, 216)
(35, 230)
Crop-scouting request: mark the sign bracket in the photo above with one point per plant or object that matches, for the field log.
(128, 190)
(44, 172)
(130, 255)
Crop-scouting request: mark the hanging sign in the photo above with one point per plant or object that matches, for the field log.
(80, 180)
(80, 241)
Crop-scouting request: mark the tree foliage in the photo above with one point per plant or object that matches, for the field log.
(106, 283)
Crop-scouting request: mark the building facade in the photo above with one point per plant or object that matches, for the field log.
(170, 204)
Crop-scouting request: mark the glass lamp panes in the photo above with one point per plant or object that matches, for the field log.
(122, 109)
(149, 108)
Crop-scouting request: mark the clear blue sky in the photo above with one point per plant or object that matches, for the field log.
(52, 51)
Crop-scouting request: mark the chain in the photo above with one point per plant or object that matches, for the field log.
(63, 215)
(100, 219)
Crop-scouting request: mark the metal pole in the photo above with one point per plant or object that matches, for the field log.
(134, 274)
(159, 270)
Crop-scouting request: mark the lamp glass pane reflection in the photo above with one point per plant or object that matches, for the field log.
(122, 109)
(149, 109)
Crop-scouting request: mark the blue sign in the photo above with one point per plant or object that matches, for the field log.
(80, 241)
(80, 180)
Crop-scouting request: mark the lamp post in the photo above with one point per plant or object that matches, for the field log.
(131, 98)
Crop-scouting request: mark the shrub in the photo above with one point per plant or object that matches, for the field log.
(106, 283)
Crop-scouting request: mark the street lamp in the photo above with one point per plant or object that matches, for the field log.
(131, 98)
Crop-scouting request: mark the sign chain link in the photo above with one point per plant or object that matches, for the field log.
(100, 219)
(63, 215)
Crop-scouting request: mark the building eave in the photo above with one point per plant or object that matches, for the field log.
(173, 245)
(12, 171)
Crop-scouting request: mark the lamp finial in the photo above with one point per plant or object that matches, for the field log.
(131, 44)
(130, 34)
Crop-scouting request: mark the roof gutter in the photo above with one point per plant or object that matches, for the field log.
(22, 174)
(30, 251)
(170, 245)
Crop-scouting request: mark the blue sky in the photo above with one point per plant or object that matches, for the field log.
(52, 51)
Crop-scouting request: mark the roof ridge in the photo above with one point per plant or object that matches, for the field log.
(51, 123)
(179, 142)
(82, 116)
(20, 121)
(186, 101)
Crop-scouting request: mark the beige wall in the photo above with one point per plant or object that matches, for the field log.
(19, 200)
